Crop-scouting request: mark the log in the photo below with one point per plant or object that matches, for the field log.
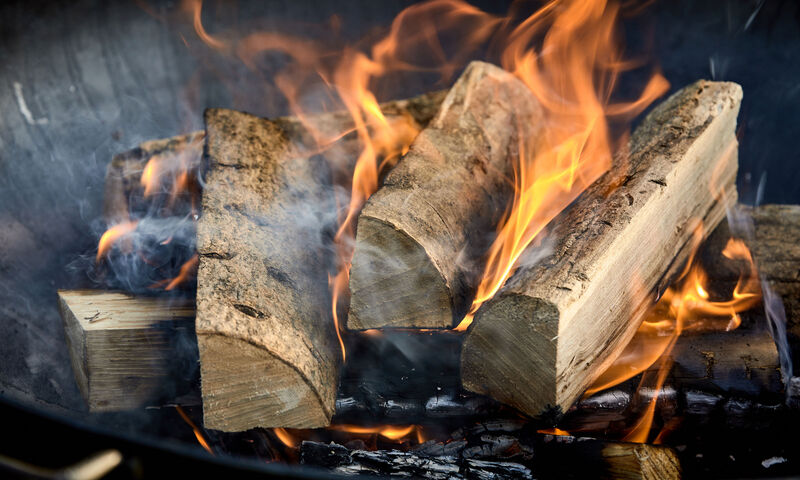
(268, 350)
(555, 326)
(556, 455)
(123, 193)
(128, 351)
(417, 233)
(777, 256)
(553, 457)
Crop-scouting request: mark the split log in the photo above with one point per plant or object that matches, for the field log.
(555, 326)
(128, 351)
(123, 195)
(416, 233)
(777, 256)
(268, 350)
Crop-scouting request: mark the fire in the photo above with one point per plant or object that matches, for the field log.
(394, 433)
(286, 438)
(201, 439)
(112, 235)
(553, 431)
(389, 432)
(682, 308)
(572, 75)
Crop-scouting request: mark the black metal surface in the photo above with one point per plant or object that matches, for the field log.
(54, 441)
(83, 80)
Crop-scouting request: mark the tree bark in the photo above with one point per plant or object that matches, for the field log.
(555, 326)
(417, 233)
(268, 350)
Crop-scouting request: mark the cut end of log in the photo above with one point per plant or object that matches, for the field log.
(247, 387)
(526, 318)
(419, 292)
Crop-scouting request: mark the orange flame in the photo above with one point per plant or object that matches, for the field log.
(389, 432)
(685, 307)
(286, 438)
(112, 235)
(201, 439)
(554, 431)
(572, 75)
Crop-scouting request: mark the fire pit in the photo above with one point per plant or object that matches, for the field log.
(443, 240)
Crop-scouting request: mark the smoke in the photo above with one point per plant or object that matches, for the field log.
(741, 225)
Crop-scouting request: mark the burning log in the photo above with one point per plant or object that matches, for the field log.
(123, 192)
(777, 256)
(416, 233)
(555, 326)
(268, 345)
(128, 350)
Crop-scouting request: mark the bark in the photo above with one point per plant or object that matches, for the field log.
(555, 326)
(268, 350)
(419, 237)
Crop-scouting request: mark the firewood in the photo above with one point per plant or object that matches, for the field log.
(555, 326)
(123, 192)
(556, 456)
(416, 234)
(127, 351)
(268, 350)
(777, 256)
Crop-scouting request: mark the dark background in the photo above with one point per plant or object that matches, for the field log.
(99, 77)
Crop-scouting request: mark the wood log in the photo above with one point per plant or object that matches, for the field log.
(777, 256)
(268, 350)
(123, 193)
(555, 326)
(127, 351)
(416, 233)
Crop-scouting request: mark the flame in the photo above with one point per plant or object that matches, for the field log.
(187, 271)
(389, 432)
(201, 439)
(112, 235)
(554, 431)
(286, 438)
(572, 75)
(684, 307)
